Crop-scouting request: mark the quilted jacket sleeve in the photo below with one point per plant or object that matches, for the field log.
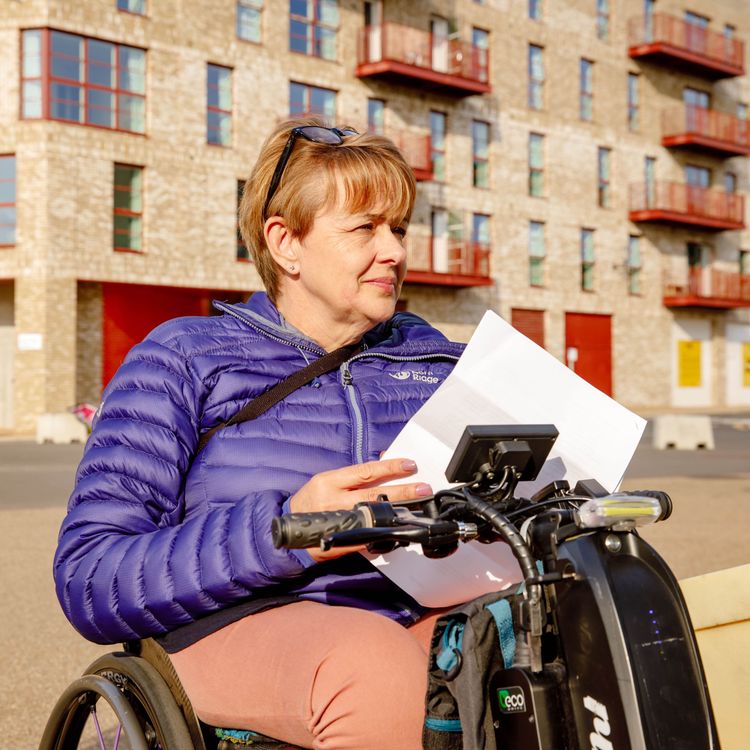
(127, 565)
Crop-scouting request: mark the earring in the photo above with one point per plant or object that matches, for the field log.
(292, 268)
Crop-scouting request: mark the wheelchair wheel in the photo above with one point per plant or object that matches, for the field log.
(120, 703)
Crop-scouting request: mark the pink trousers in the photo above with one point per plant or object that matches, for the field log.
(329, 678)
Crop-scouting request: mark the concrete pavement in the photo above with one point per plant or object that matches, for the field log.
(41, 653)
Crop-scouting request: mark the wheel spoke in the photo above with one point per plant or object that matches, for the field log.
(117, 737)
(95, 718)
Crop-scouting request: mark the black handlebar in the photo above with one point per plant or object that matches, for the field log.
(300, 530)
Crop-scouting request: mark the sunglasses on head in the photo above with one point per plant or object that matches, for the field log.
(314, 133)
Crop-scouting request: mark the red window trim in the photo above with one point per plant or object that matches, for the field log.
(210, 108)
(47, 79)
(132, 12)
(9, 205)
(125, 212)
(434, 149)
(308, 111)
(480, 159)
(312, 23)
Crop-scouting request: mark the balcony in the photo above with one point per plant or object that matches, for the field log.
(673, 41)
(707, 130)
(708, 288)
(444, 262)
(417, 150)
(406, 55)
(686, 205)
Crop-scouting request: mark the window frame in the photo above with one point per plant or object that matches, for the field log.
(536, 171)
(634, 269)
(602, 20)
(308, 89)
(312, 24)
(372, 125)
(215, 109)
(588, 259)
(128, 213)
(586, 89)
(634, 104)
(133, 12)
(477, 160)
(14, 204)
(255, 6)
(536, 259)
(604, 182)
(535, 10)
(47, 80)
(438, 155)
(535, 86)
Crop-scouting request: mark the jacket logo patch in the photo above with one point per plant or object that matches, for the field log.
(421, 377)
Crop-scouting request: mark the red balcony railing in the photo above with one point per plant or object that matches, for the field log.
(417, 150)
(706, 129)
(707, 287)
(447, 262)
(411, 55)
(676, 41)
(681, 204)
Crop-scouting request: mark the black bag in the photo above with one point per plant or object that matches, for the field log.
(469, 644)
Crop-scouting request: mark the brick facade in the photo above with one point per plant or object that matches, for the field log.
(63, 250)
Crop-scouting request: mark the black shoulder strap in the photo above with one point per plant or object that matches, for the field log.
(281, 390)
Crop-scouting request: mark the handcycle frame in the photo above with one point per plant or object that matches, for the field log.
(612, 659)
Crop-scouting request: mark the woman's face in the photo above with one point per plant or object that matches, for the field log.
(351, 267)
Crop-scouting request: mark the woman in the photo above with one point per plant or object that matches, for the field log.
(317, 649)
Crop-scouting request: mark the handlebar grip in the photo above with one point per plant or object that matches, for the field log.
(300, 530)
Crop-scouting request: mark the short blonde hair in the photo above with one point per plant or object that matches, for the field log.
(368, 168)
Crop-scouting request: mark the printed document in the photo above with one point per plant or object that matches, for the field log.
(504, 378)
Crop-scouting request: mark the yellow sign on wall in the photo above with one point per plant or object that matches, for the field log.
(689, 364)
(746, 365)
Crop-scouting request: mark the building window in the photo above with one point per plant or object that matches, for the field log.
(132, 6)
(696, 176)
(480, 246)
(86, 81)
(536, 165)
(696, 20)
(730, 182)
(376, 116)
(741, 111)
(633, 104)
(633, 264)
(7, 200)
(536, 77)
(243, 254)
(312, 27)
(604, 197)
(128, 208)
(535, 10)
(587, 260)
(480, 148)
(219, 105)
(249, 14)
(536, 253)
(696, 98)
(602, 20)
(480, 40)
(437, 138)
(311, 100)
(586, 90)
(744, 262)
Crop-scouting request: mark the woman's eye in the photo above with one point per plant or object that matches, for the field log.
(400, 231)
(366, 227)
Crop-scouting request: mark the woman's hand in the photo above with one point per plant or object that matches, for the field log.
(342, 489)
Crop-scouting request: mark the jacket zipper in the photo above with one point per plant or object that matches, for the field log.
(347, 381)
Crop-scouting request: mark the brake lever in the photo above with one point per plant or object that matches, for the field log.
(356, 537)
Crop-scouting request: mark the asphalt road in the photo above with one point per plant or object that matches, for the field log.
(41, 653)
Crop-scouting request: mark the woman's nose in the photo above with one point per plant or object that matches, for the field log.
(391, 247)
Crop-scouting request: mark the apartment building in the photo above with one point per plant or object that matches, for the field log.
(581, 170)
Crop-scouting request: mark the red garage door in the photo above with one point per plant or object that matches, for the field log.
(132, 310)
(530, 323)
(588, 348)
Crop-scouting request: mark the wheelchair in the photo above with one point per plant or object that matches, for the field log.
(133, 699)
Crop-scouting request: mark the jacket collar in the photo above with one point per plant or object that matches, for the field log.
(406, 332)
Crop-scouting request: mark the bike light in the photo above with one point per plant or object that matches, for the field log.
(615, 510)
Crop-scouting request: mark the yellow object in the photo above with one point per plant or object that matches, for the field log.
(746, 365)
(689, 364)
(719, 605)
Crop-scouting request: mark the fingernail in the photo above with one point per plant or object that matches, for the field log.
(409, 465)
(423, 490)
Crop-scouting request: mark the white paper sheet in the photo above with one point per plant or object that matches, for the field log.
(505, 378)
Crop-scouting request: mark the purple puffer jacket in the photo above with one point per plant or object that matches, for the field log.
(152, 542)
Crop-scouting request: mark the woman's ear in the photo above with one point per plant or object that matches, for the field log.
(281, 244)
